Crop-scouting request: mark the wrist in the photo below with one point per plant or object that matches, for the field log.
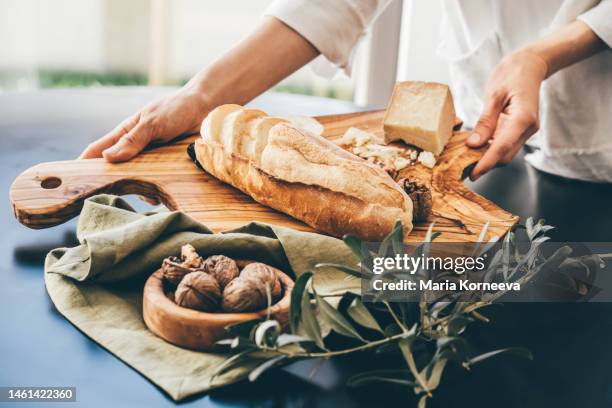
(571, 44)
(537, 58)
(197, 90)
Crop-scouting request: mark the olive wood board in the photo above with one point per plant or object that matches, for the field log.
(51, 193)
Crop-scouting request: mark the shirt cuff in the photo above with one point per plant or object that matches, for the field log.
(333, 27)
(599, 19)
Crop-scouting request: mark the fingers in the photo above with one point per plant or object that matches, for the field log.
(129, 145)
(95, 149)
(484, 129)
(508, 140)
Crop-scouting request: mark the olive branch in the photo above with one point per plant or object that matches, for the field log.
(421, 330)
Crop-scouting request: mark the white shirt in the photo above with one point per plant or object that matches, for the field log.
(576, 103)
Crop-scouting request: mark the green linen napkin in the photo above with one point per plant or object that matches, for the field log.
(98, 285)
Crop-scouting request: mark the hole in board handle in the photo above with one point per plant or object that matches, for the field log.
(49, 183)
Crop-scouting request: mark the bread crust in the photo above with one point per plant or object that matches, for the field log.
(311, 179)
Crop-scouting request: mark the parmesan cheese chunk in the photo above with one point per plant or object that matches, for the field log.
(421, 114)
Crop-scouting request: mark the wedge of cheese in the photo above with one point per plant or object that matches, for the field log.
(421, 114)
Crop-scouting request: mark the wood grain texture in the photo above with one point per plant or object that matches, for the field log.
(167, 174)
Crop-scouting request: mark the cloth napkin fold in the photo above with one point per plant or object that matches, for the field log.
(98, 284)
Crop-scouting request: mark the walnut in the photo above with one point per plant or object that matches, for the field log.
(248, 293)
(421, 199)
(224, 269)
(264, 274)
(191, 259)
(243, 295)
(173, 270)
(199, 291)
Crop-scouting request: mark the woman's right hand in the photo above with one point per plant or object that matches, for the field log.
(158, 122)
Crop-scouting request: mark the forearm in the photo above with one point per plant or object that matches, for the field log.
(257, 63)
(573, 43)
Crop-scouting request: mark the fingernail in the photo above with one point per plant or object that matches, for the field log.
(474, 138)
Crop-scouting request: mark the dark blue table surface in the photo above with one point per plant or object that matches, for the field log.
(38, 347)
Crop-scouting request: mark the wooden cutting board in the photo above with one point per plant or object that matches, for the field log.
(51, 193)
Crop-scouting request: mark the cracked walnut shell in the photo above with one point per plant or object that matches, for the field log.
(224, 269)
(173, 270)
(199, 291)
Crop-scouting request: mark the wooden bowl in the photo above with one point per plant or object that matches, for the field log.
(200, 330)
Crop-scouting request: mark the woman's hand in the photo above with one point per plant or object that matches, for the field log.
(510, 115)
(159, 122)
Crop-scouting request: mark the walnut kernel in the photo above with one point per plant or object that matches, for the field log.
(191, 259)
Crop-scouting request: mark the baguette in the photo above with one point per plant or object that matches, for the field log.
(301, 174)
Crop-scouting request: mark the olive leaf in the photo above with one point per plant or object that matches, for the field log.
(458, 324)
(490, 244)
(297, 294)
(397, 376)
(236, 343)
(481, 237)
(434, 372)
(491, 272)
(480, 317)
(259, 370)
(233, 361)
(359, 313)
(355, 245)
(553, 263)
(405, 345)
(266, 334)
(308, 320)
(286, 339)
(506, 246)
(517, 351)
(395, 239)
(445, 342)
(301, 313)
(529, 227)
(533, 230)
(337, 322)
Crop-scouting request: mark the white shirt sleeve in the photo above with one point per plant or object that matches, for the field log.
(599, 18)
(333, 27)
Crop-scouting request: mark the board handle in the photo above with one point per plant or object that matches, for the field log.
(51, 193)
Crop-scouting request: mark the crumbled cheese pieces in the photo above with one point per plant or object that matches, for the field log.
(372, 148)
(427, 159)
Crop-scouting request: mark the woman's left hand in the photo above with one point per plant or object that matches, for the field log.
(510, 115)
